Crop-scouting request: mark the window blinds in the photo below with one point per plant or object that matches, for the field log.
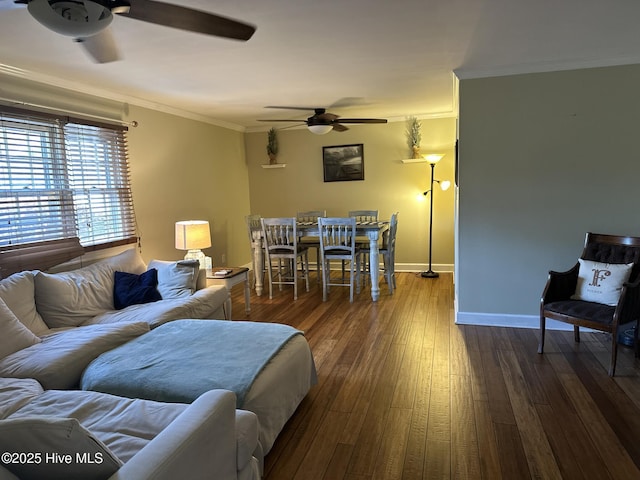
(35, 204)
(98, 173)
(61, 178)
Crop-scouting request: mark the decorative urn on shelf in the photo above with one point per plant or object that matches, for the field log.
(272, 146)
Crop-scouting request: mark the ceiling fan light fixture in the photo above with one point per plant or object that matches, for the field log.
(70, 18)
(320, 129)
(120, 7)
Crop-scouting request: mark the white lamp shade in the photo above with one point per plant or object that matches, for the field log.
(445, 184)
(433, 157)
(192, 235)
(320, 129)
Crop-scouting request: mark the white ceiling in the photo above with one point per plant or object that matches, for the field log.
(362, 58)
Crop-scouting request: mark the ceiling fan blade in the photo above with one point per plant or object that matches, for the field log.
(287, 127)
(188, 19)
(101, 46)
(349, 102)
(293, 108)
(363, 120)
(340, 128)
(281, 120)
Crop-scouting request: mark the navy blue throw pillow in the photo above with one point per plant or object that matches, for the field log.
(132, 289)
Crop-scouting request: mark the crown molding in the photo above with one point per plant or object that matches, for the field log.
(544, 67)
(110, 95)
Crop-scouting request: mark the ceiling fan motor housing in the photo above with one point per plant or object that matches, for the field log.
(79, 18)
(318, 120)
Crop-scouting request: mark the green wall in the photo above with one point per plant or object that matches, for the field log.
(181, 169)
(389, 185)
(189, 168)
(543, 159)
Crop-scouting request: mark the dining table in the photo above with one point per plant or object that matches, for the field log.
(373, 230)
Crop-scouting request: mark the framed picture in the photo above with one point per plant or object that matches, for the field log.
(343, 163)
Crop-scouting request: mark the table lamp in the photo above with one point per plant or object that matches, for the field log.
(193, 235)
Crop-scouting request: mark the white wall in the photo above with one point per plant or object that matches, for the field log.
(543, 159)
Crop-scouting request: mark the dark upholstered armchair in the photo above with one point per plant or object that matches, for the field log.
(557, 302)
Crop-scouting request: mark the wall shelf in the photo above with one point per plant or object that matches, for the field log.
(429, 158)
(273, 165)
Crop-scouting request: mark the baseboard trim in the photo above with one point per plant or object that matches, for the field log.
(419, 267)
(400, 267)
(508, 320)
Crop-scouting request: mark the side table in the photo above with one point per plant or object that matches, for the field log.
(235, 276)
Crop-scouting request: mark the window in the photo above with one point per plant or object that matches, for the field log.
(63, 178)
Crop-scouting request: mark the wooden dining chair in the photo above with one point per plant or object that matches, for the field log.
(280, 238)
(254, 230)
(362, 216)
(311, 216)
(338, 242)
(388, 252)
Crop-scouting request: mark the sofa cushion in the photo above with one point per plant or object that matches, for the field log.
(14, 335)
(42, 435)
(592, 311)
(246, 436)
(68, 299)
(59, 360)
(16, 393)
(128, 261)
(131, 289)
(18, 292)
(125, 425)
(176, 279)
(202, 304)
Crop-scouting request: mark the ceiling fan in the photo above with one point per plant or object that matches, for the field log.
(322, 122)
(87, 20)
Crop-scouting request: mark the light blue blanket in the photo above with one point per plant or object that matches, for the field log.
(180, 360)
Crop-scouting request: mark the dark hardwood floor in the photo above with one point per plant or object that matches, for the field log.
(404, 393)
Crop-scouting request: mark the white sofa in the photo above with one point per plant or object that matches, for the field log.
(109, 437)
(85, 296)
(52, 325)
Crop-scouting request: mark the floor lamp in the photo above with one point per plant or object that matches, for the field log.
(444, 185)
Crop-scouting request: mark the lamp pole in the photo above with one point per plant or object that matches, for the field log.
(430, 273)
